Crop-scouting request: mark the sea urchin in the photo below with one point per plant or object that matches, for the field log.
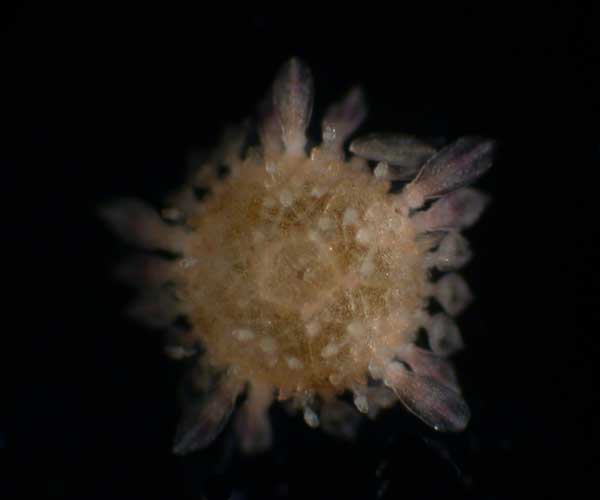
(303, 278)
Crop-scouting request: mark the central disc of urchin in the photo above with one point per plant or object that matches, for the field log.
(296, 272)
(302, 270)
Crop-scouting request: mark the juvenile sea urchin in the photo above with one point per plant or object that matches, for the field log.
(304, 278)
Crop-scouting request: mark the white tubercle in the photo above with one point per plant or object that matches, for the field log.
(286, 198)
(258, 237)
(294, 363)
(312, 329)
(350, 216)
(317, 191)
(267, 344)
(355, 328)
(243, 334)
(271, 168)
(313, 235)
(367, 267)
(324, 223)
(364, 235)
(329, 350)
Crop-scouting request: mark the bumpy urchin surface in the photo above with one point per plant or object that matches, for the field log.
(303, 278)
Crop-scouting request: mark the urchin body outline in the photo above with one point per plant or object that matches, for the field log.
(276, 262)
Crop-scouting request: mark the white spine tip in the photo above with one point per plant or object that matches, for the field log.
(375, 370)
(179, 352)
(172, 215)
(188, 262)
(382, 171)
(310, 417)
(361, 403)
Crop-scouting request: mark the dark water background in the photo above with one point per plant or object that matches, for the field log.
(104, 100)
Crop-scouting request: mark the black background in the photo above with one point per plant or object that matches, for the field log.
(105, 100)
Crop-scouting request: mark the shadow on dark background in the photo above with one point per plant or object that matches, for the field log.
(104, 101)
